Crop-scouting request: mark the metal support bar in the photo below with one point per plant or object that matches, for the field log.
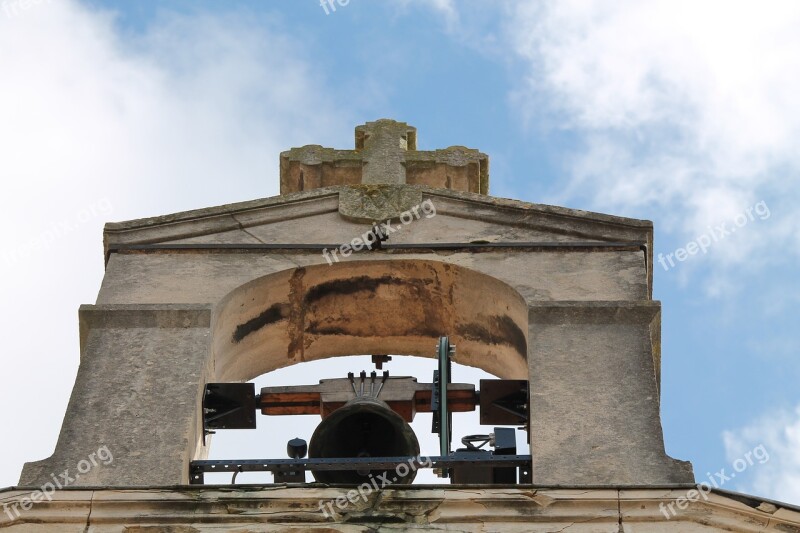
(198, 468)
(445, 430)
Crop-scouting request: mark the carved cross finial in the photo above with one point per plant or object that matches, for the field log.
(383, 145)
(385, 154)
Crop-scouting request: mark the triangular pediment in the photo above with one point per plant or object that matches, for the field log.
(331, 216)
(319, 217)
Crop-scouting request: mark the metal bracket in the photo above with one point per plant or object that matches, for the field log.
(504, 402)
(380, 236)
(380, 360)
(229, 406)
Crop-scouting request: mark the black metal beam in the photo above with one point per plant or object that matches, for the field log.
(198, 468)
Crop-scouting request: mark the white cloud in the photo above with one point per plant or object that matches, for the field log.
(444, 8)
(687, 112)
(472, 23)
(779, 433)
(447, 7)
(101, 123)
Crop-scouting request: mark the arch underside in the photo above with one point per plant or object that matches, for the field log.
(370, 307)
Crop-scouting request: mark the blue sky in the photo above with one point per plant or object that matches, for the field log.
(684, 113)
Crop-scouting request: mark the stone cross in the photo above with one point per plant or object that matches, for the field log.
(385, 155)
(383, 145)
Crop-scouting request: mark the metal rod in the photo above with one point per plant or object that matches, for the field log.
(380, 386)
(353, 463)
(444, 380)
(352, 382)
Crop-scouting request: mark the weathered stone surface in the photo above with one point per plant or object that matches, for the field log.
(208, 278)
(456, 168)
(559, 296)
(137, 393)
(465, 509)
(689, 509)
(312, 217)
(383, 144)
(316, 312)
(182, 277)
(591, 364)
(385, 153)
(376, 203)
(31, 511)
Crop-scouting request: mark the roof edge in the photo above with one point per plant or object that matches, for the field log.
(323, 192)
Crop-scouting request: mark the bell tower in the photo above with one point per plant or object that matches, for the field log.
(557, 297)
(381, 249)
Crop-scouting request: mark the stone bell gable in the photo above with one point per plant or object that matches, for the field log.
(581, 255)
(556, 296)
(377, 250)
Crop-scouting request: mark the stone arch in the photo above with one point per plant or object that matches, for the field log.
(369, 307)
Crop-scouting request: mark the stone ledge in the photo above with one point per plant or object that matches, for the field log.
(462, 508)
(608, 312)
(126, 316)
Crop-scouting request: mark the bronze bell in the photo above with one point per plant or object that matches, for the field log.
(363, 427)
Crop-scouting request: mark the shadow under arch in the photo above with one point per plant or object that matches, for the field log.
(369, 307)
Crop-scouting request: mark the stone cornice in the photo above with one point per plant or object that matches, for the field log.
(564, 223)
(421, 507)
(294, 198)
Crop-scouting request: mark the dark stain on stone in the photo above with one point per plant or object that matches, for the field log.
(418, 291)
(498, 330)
(274, 313)
(316, 329)
(376, 516)
(343, 287)
(297, 316)
(422, 330)
(160, 529)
